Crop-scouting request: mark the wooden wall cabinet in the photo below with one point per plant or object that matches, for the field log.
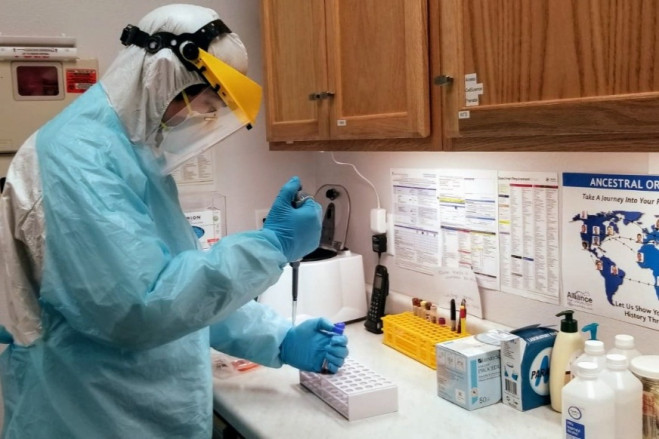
(541, 75)
(582, 70)
(342, 70)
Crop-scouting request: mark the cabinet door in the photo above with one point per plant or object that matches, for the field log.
(294, 58)
(550, 67)
(378, 68)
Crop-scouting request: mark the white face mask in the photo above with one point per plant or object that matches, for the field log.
(203, 122)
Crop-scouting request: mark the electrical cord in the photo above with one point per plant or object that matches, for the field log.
(377, 196)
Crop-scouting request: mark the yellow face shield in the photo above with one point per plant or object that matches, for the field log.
(241, 94)
(198, 127)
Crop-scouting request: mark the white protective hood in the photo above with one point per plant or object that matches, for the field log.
(140, 86)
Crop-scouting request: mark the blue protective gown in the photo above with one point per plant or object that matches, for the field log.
(126, 298)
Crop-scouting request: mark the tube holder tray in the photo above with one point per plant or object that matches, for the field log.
(355, 391)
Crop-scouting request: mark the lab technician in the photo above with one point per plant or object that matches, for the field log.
(112, 306)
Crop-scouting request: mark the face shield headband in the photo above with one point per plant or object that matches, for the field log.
(241, 96)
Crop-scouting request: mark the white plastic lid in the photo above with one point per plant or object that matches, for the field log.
(587, 369)
(616, 362)
(624, 341)
(494, 337)
(646, 366)
(594, 347)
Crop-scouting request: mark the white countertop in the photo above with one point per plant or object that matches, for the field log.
(270, 403)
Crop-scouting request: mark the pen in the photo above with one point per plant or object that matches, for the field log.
(452, 315)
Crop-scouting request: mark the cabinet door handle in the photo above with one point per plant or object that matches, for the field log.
(443, 80)
(322, 95)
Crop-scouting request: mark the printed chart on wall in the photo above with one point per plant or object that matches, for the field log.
(416, 213)
(198, 169)
(529, 235)
(447, 218)
(611, 246)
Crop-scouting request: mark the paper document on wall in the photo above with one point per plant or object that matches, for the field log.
(447, 217)
(529, 234)
(197, 170)
(416, 219)
(468, 217)
(459, 283)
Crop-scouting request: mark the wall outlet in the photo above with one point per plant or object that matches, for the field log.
(259, 217)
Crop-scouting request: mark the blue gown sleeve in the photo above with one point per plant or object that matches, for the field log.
(254, 332)
(121, 264)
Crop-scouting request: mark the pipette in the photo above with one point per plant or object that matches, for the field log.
(295, 266)
(300, 198)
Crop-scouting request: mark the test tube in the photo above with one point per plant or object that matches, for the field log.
(336, 330)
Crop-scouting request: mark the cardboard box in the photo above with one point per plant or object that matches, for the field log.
(468, 372)
(525, 361)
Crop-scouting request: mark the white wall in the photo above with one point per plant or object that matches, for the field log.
(499, 307)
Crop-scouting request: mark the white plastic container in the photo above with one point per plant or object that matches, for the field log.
(567, 347)
(624, 345)
(646, 368)
(593, 352)
(628, 392)
(588, 406)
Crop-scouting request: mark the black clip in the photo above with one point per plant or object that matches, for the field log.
(128, 34)
(133, 35)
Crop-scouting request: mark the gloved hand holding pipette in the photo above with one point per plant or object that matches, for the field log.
(297, 227)
(314, 344)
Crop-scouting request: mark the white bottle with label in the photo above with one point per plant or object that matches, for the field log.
(624, 345)
(567, 347)
(588, 406)
(593, 352)
(628, 392)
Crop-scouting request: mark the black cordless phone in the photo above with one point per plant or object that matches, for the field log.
(378, 299)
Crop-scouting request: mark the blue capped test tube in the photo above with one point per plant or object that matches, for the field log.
(336, 330)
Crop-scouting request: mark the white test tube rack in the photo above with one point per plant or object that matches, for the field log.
(355, 391)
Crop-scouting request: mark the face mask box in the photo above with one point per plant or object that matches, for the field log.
(525, 363)
(468, 372)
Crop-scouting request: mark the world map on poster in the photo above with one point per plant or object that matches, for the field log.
(611, 246)
(628, 230)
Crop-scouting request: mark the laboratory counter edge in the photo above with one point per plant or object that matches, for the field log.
(271, 403)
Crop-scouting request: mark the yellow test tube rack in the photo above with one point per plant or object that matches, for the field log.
(416, 337)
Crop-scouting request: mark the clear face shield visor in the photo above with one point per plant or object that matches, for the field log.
(203, 121)
(230, 102)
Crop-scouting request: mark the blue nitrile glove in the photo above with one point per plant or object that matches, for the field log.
(311, 342)
(297, 229)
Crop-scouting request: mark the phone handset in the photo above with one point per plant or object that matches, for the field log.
(378, 300)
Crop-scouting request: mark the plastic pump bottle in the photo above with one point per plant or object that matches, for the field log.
(567, 346)
(588, 405)
(628, 396)
(592, 329)
(624, 345)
